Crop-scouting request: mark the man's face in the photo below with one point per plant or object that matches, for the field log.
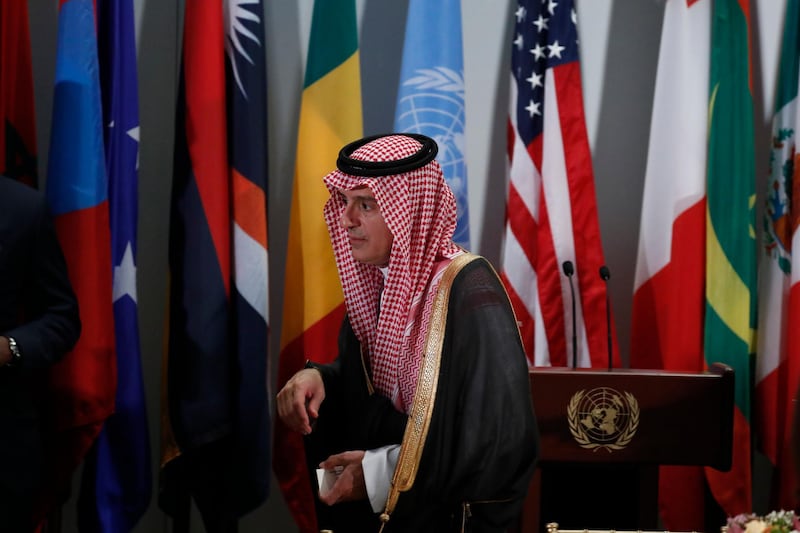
(370, 238)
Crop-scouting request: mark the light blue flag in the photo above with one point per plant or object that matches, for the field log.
(430, 99)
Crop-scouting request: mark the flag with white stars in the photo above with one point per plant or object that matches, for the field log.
(551, 209)
(115, 493)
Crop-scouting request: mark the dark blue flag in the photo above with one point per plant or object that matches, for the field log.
(246, 79)
(215, 437)
(117, 480)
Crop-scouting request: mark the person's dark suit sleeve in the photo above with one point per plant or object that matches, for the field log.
(366, 420)
(51, 322)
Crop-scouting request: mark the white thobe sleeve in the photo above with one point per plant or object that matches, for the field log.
(378, 466)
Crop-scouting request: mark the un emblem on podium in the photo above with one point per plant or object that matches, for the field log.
(603, 418)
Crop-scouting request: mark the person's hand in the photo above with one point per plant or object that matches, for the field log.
(349, 485)
(300, 398)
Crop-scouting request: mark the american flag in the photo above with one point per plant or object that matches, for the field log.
(551, 209)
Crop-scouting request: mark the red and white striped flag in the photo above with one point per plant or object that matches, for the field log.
(551, 208)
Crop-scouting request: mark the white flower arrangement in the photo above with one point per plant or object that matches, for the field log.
(774, 522)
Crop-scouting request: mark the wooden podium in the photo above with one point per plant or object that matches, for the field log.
(604, 433)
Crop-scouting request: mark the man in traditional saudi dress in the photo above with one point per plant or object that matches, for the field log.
(424, 422)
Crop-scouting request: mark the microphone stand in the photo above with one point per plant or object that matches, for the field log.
(605, 275)
(569, 270)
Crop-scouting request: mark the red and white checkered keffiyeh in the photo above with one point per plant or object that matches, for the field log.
(420, 212)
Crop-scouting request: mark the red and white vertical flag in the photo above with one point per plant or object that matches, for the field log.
(669, 288)
(551, 211)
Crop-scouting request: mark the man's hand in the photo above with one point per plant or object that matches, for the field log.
(349, 485)
(300, 398)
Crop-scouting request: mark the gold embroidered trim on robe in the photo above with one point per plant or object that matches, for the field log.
(425, 395)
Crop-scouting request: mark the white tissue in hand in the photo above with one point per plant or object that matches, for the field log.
(326, 478)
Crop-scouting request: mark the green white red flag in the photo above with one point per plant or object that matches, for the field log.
(778, 362)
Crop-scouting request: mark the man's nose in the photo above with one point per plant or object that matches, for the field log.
(346, 219)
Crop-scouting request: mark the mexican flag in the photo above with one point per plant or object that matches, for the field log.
(778, 363)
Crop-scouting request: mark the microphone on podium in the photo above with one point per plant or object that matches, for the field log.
(605, 275)
(569, 270)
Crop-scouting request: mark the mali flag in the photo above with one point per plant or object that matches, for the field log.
(215, 443)
(18, 127)
(313, 307)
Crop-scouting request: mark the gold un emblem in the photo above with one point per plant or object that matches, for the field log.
(603, 418)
